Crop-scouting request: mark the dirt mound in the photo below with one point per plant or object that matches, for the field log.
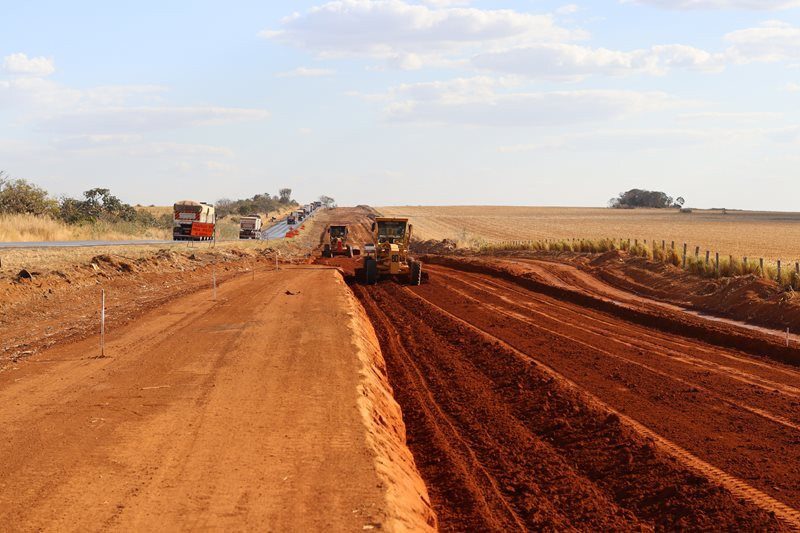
(432, 246)
(408, 504)
(610, 256)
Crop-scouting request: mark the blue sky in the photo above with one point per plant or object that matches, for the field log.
(396, 101)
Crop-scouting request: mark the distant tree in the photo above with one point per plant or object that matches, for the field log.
(23, 197)
(99, 203)
(641, 198)
(679, 201)
(327, 201)
(224, 206)
(260, 203)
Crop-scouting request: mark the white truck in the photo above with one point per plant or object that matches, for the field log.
(250, 227)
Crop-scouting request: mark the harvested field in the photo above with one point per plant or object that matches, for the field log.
(738, 233)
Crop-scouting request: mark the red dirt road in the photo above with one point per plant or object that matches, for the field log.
(525, 411)
(243, 413)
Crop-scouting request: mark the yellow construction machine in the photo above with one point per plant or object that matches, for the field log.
(392, 237)
(338, 244)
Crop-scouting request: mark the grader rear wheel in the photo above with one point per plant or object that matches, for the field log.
(415, 273)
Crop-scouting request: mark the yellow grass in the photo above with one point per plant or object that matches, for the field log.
(739, 233)
(12, 260)
(23, 228)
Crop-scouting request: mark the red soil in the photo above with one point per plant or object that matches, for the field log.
(536, 399)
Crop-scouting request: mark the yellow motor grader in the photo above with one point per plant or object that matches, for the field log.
(392, 237)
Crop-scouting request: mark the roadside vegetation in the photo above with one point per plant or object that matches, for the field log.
(710, 266)
(30, 213)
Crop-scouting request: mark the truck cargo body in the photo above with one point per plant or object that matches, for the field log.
(193, 221)
(250, 227)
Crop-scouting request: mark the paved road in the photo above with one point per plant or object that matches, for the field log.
(278, 231)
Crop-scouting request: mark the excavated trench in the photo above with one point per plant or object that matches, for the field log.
(519, 421)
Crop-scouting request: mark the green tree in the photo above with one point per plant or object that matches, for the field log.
(641, 198)
(22, 197)
(285, 196)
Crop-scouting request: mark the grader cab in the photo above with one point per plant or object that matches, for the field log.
(392, 237)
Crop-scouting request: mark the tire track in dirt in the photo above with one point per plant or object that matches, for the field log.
(787, 514)
(491, 499)
(747, 432)
(772, 387)
(559, 460)
(747, 362)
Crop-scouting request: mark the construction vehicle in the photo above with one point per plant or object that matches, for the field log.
(250, 227)
(193, 221)
(338, 243)
(392, 237)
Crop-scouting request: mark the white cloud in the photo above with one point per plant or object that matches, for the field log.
(762, 5)
(487, 102)
(771, 41)
(112, 110)
(122, 120)
(792, 87)
(46, 96)
(410, 34)
(632, 139)
(573, 62)
(725, 116)
(304, 72)
(569, 9)
(20, 63)
(446, 3)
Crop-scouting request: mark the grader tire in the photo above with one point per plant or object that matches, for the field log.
(416, 273)
(370, 271)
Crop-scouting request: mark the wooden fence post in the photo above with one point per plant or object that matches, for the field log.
(696, 252)
(779, 270)
(761, 265)
(685, 247)
(716, 264)
(664, 245)
(708, 257)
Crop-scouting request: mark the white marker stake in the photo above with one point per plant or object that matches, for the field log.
(102, 322)
(214, 281)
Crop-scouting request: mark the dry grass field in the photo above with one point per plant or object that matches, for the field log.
(30, 228)
(739, 233)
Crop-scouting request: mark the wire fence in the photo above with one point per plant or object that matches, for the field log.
(696, 259)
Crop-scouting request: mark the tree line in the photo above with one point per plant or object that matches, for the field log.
(644, 198)
(19, 196)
